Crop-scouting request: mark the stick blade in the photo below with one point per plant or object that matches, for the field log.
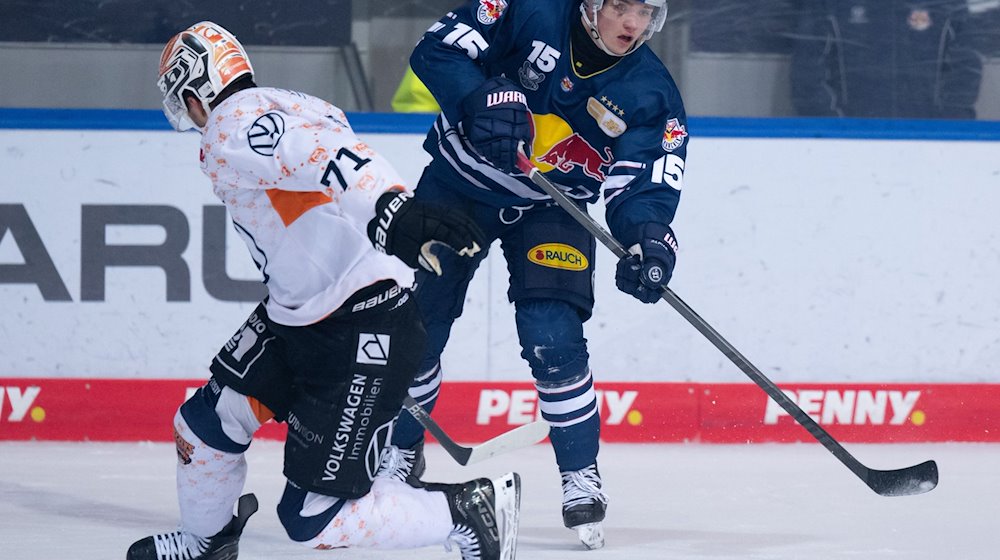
(523, 436)
(910, 481)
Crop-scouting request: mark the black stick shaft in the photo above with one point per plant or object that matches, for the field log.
(864, 473)
(459, 453)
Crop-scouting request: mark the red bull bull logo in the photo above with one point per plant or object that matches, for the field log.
(575, 151)
(673, 135)
(490, 11)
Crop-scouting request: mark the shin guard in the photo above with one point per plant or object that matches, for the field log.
(212, 430)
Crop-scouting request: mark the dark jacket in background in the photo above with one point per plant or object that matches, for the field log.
(741, 26)
(885, 58)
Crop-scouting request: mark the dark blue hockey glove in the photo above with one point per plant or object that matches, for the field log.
(497, 123)
(649, 264)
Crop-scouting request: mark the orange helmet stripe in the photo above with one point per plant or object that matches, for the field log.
(227, 54)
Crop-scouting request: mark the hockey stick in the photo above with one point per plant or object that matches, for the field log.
(899, 482)
(522, 436)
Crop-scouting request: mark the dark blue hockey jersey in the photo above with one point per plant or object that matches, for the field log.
(622, 130)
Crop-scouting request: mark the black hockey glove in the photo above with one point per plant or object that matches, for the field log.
(408, 230)
(497, 123)
(649, 264)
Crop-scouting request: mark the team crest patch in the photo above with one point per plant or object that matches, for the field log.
(265, 133)
(673, 135)
(490, 11)
(920, 20)
(530, 78)
(859, 15)
(566, 84)
(608, 116)
(558, 255)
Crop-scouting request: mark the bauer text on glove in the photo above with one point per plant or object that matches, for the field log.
(649, 264)
(409, 229)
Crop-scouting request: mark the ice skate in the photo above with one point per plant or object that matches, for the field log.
(180, 545)
(405, 465)
(485, 516)
(584, 505)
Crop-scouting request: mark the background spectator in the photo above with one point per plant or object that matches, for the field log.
(412, 96)
(886, 58)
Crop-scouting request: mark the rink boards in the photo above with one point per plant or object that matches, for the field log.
(139, 410)
(861, 283)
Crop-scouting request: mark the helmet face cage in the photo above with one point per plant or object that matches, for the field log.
(200, 61)
(182, 71)
(590, 8)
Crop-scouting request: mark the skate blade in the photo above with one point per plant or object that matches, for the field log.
(507, 493)
(591, 535)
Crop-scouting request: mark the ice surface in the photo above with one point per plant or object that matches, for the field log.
(89, 501)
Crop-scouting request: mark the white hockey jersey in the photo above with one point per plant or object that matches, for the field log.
(300, 188)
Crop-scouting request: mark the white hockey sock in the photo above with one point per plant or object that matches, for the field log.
(209, 482)
(393, 515)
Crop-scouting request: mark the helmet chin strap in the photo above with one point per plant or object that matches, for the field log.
(596, 35)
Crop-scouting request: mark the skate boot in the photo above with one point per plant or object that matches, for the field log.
(180, 545)
(485, 516)
(405, 465)
(584, 504)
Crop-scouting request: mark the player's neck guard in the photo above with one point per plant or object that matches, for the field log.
(587, 56)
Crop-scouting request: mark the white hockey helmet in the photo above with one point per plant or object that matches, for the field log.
(589, 8)
(201, 60)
